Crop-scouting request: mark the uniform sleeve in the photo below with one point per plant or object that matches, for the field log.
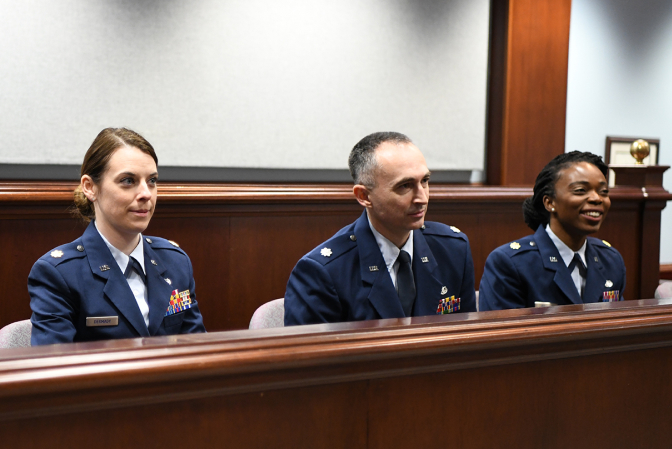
(54, 311)
(311, 297)
(193, 321)
(501, 286)
(467, 292)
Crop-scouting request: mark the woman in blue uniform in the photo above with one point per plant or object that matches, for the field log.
(559, 264)
(113, 282)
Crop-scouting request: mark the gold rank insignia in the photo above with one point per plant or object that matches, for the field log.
(454, 229)
(174, 243)
(514, 245)
(56, 254)
(606, 243)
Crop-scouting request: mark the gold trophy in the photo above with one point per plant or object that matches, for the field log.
(639, 150)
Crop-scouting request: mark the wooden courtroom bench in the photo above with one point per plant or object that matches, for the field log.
(581, 376)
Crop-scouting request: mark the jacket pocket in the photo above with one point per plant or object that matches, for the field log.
(174, 321)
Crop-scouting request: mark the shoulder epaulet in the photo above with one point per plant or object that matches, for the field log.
(435, 228)
(72, 250)
(161, 243)
(601, 244)
(333, 248)
(520, 246)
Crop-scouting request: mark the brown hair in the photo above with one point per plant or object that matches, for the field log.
(98, 156)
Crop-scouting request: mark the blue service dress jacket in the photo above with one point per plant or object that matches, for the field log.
(346, 279)
(530, 269)
(81, 280)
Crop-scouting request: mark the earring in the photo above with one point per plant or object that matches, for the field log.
(552, 209)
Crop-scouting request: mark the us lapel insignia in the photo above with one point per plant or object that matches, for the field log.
(444, 290)
(514, 245)
(608, 284)
(168, 281)
(56, 254)
(448, 305)
(424, 259)
(553, 259)
(455, 230)
(104, 267)
(154, 262)
(596, 259)
(179, 302)
(326, 252)
(373, 268)
(611, 296)
(606, 243)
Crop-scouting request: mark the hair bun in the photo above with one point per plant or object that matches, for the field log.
(84, 207)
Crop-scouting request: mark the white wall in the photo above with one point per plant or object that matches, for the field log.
(619, 84)
(244, 83)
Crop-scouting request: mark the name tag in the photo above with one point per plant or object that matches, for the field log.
(92, 321)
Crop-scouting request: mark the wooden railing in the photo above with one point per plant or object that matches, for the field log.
(578, 376)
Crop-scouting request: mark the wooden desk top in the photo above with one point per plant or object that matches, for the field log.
(83, 376)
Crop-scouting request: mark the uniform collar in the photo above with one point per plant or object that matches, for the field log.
(388, 249)
(121, 258)
(565, 251)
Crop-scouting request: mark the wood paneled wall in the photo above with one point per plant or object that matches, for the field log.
(244, 240)
(595, 376)
(527, 90)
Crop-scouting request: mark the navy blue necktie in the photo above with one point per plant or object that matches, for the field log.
(405, 283)
(134, 265)
(577, 262)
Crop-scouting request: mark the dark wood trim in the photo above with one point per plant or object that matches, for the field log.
(554, 333)
(499, 25)
(527, 88)
(18, 192)
(666, 271)
(347, 385)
